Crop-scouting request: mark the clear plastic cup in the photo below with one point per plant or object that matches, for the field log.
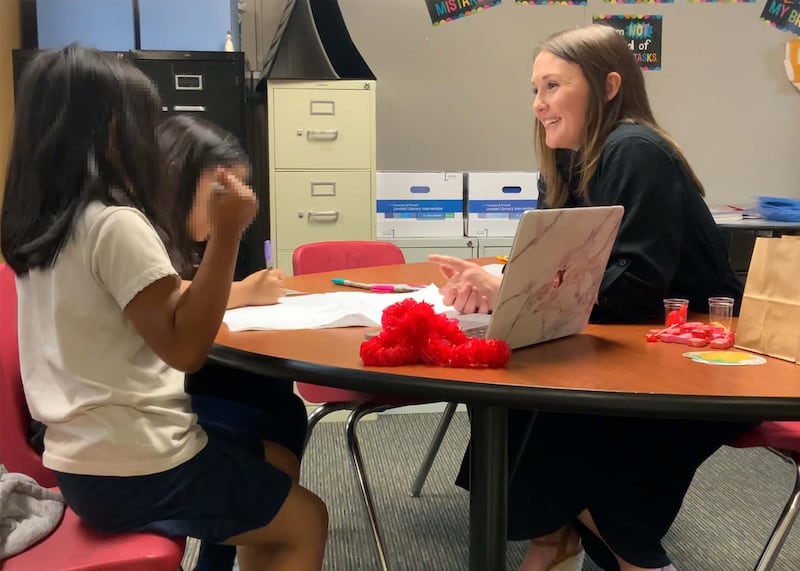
(720, 312)
(675, 311)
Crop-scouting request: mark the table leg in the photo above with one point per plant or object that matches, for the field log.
(488, 489)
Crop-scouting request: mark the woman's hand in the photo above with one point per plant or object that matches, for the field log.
(264, 287)
(469, 288)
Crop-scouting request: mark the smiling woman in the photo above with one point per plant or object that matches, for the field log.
(614, 484)
(562, 100)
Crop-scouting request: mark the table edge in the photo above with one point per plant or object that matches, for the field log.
(577, 401)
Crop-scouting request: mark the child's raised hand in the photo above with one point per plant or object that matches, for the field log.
(232, 207)
(264, 287)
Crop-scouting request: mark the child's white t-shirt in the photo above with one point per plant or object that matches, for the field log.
(111, 405)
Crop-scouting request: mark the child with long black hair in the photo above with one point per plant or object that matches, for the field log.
(236, 403)
(106, 328)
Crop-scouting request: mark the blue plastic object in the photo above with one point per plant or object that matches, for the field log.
(779, 209)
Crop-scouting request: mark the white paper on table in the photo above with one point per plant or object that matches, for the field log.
(494, 269)
(324, 310)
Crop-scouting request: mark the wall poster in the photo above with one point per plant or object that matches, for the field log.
(443, 11)
(642, 33)
(783, 14)
(553, 2)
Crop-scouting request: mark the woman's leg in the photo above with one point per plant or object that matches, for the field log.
(630, 474)
(561, 550)
(558, 550)
(586, 519)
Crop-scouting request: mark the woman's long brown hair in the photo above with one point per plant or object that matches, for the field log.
(598, 50)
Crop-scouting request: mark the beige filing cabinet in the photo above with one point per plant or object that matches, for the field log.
(321, 162)
(418, 249)
(495, 246)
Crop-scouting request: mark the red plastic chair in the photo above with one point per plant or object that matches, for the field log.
(342, 255)
(72, 546)
(781, 438)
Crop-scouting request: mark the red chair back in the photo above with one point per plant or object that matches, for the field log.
(782, 435)
(15, 451)
(72, 546)
(340, 255)
(344, 255)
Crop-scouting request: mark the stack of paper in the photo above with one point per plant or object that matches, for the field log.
(341, 309)
(320, 310)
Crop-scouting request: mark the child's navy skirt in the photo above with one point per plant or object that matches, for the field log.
(223, 491)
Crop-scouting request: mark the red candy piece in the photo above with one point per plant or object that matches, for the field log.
(683, 338)
(724, 341)
(692, 333)
(691, 326)
(676, 316)
(698, 342)
(721, 343)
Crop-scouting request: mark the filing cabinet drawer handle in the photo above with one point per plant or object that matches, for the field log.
(188, 108)
(326, 215)
(322, 135)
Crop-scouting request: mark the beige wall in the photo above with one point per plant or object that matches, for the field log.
(9, 39)
(457, 97)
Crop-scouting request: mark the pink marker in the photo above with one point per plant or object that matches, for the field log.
(394, 288)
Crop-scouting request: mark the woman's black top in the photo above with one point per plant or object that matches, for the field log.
(668, 243)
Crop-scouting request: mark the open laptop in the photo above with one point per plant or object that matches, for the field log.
(553, 273)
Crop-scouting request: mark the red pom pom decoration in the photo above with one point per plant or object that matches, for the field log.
(412, 333)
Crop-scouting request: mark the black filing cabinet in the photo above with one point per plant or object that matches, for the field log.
(209, 84)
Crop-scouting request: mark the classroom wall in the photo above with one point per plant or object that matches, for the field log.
(9, 39)
(163, 24)
(457, 97)
(106, 25)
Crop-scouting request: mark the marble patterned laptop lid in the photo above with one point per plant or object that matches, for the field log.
(553, 273)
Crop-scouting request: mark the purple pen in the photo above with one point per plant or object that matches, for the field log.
(268, 254)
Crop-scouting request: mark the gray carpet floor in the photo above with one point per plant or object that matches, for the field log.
(728, 514)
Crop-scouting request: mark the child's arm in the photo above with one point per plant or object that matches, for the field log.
(264, 287)
(180, 326)
(260, 288)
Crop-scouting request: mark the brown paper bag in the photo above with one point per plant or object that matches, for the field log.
(770, 314)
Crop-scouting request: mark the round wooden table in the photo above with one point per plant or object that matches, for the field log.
(607, 369)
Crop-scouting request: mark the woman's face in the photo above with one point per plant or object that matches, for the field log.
(562, 100)
(199, 222)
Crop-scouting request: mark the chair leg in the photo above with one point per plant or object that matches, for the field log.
(322, 411)
(784, 525)
(358, 465)
(433, 449)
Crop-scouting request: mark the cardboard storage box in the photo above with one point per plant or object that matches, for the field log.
(496, 200)
(420, 204)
